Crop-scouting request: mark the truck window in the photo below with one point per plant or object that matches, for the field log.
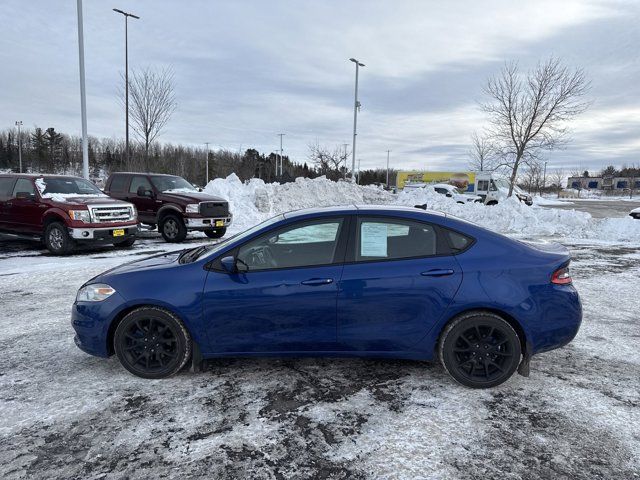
(118, 183)
(6, 187)
(483, 185)
(139, 181)
(24, 185)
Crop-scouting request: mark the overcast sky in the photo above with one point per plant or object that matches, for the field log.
(247, 70)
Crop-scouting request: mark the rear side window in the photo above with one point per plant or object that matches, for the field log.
(6, 186)
(118, 183)
(394, 239)
(457, 241)
(24, 185)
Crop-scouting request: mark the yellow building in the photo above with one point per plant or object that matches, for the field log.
(462, 180)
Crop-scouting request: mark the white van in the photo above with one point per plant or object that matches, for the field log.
(493, 189)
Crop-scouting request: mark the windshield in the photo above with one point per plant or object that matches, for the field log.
(213, 249)
(169, 183)
(66, 186)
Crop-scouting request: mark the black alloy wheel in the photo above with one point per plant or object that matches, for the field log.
(151, 342)
(173, 229)
(480, 350)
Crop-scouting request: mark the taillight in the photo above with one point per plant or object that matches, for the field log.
(561, 276)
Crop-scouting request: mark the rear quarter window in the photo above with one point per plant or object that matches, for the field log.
(118, 183)
(458, 242)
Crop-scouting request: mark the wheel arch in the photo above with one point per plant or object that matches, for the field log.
(169, 209)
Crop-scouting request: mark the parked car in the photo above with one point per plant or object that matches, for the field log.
(172, 204)
(64, 211)
(447, 190)
(635, 213)
(342, 281)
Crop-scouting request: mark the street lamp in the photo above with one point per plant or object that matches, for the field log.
(388, 151)
(83, 95)
(345, 145)
(19, 125)
(356, 107)
(207, 164)
(126, 72)
(281, 162)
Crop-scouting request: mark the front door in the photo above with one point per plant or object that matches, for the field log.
(284, 297)
(398, 286)
(146, 204)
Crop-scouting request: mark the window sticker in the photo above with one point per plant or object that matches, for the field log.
(373, 240)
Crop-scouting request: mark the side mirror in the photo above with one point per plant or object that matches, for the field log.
(25, 196)
(229, 264)
(143, 192)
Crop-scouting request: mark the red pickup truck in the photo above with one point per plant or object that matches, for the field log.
(64, 211)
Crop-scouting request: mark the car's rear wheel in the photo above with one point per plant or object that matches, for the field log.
(173, 229)
(216, 233)
(57, 239)
(480, 350)
(152, 342)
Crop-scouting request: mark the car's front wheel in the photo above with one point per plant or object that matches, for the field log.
(57, 239)
(480, 350)
(152, 342)
(215, 233)
(173, 229)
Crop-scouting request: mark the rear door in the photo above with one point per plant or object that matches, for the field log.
(286, 300)
(6, 189)
(398, 281)
(25, 214)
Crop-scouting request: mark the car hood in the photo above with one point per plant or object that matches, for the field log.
(194, 197)
(85, 200)
(160, 261)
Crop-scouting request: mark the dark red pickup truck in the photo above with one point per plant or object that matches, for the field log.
(171, 203)
(64, 211)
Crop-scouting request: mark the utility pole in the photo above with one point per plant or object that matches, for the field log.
(83, 97)
(356, 108)
(358, 172)
(126, 75)
(281, 161)
(207, 164)
(388, 151)
(544, 177)
(19, 125)
(345, 145)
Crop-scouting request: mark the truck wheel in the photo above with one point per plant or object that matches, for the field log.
(492, 202)
(57, 240)
(216, 233)
(173, 229)
(125, 243)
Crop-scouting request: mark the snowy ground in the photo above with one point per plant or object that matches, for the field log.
(64, 414)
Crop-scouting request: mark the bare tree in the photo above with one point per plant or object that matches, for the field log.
(529, 112)
(532, 176)
(329, 162)
(557, 178)
(152, 104)
(482, 154)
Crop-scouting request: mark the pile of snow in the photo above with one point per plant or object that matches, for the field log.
(254, 201)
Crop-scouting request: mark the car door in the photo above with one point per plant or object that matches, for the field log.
(146, 204)
(398, 281)
(284, 300)
(6, 190)
(25, 213)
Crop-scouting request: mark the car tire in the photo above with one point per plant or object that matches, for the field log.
(57, 239)
(173, 229)
(125, 243)
(480, 350)
(152, 342)
(216, 233)
(492, 203)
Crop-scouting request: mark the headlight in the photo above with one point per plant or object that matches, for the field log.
(134, 212)
(80, 215)
(94, 293)
(192, 208)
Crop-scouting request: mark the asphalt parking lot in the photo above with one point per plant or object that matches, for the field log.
(601, 208)
(65, 414)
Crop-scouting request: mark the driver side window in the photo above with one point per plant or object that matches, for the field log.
(299, 245)
(137, 182)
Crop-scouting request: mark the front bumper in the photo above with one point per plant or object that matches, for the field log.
(91, 321)
(102, 234)
(200, 223)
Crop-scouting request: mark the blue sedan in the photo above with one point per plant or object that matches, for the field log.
(342, 281)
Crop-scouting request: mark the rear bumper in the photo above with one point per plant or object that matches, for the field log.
(560, 320)
(103, 234)
(203, 223)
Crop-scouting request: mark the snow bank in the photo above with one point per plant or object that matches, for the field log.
(255, 201)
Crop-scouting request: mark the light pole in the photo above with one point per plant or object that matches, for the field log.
(356, 107)
(345, 145)
(126, 73)
(358, 171)
(281, 162)
(207, 164)
(19, 125)
(544, 178)
(388, 152)
(83, 96)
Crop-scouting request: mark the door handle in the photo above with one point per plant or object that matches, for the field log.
(317, 281)
(437, 272)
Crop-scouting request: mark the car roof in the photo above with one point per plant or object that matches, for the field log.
(146, 173)
(363, 209)
(37, 175)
